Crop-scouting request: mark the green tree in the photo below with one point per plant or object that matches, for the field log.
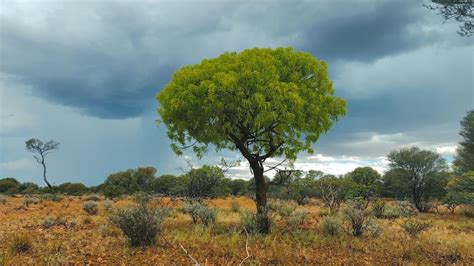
(460, 190)
(133, 180)
(164, 184)
(9, 185)
(396, 184)
(74, 189)
(464, 161)
(424, 170)
(333, 191)
(262, 102)
(207, 181)
(42, 149)
(302, 189)
(367, 182)
(238, 187)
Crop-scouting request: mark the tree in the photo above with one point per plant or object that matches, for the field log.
(238, 187)
(133, 180)
(396, 184)
(460, 10)
(9, 185)
(423, 169)
(262, 102)
(464, 161)
(74, 189)
(333, 191)
(208, 181)
(460, 190)
(42, 149)
(367, 182)
(302, 189)
(164, 184)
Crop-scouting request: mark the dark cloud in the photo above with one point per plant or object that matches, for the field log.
(110, 58)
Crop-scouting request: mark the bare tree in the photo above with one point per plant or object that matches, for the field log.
(41, 149)
(460, 10)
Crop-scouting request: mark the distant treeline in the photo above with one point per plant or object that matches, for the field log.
(210, 182)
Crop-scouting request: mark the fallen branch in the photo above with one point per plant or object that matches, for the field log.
(189, 255)
(246, 247)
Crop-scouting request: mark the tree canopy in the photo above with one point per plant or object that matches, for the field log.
(464, 161)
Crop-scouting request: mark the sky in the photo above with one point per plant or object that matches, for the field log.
(85, 74)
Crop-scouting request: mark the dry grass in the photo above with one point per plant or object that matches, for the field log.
(450, 239)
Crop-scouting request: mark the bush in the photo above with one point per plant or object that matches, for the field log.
(139, 224)
(249, 221)
(414, 227)
(29, 200)
(468, 211)
(106, 231)
(3, 200)
(52, 197)
(235, 206)
(92, 198)
(378, 208)
(200, 212)
(374, 230)
(296, 218)
(281, 207)
(330, 225)
(391, 213)
(358, 219)
(108, 205)
(20, 243)
(51, 221)
(91, 207)
(405, 208)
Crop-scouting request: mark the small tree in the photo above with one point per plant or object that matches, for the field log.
(262, 102)
(367, 182)
(425, 171)
(41, 149)
(208, 181)
(333, 191)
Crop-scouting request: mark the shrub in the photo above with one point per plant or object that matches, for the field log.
(405, 208)
(141, 197)
(378, 208)
(330, 225)
(248, 220)
(281, 207)
(51, 221)
(3, 200)
(52, 197)
(108, 231)
(200, 212)
(414, 227)
(91, 207)
(207, 215)
(374, 230)
(20, 243)
(358, 219)
(296, 218)
(92, 198)
(468, 211)
(139, 224)
(108, 205)
(29, 200)
(235, 206)
(391, 213)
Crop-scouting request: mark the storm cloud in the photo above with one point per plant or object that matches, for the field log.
(92, 69)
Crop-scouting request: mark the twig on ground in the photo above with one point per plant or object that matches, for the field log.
(196, 263)
(246, 247)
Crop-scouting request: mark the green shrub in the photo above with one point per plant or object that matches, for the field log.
(248, 220)
(414, 227)
(92, 198)
(374, 230)
(29, 200)
(358, 219)
(3, 200)
(405, 208)
(51, 197)
(140, 224)
(91, 207)
(391, 213)
(199, 212)
(330, 225)
(20, 243)
(378, 208)
(296, 218)
(281, 207)
(51, 221)
(108, 205)
(106, 231)
(235, 206)
(468, 211)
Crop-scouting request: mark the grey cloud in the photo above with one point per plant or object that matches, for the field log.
(110, 58)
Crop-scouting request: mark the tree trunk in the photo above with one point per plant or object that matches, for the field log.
(44, 173)
(261, 198)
